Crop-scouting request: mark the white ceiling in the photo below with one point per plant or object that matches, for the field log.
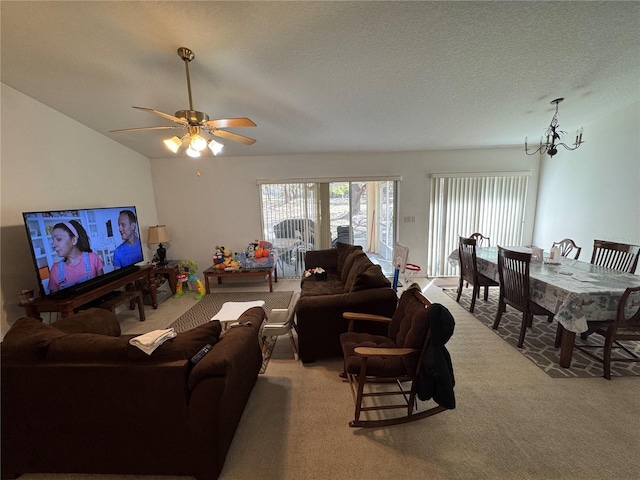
(328, 76)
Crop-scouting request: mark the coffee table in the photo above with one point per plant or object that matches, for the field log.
(213, 272)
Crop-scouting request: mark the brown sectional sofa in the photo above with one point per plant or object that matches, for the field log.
(78, 398)
(353, 284)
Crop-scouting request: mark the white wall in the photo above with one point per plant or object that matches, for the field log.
(52, 162)
(594, 191)
(221, 205)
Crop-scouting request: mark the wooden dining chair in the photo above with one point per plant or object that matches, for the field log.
(619, 256)
(513, 270)
(469, 272)
(621, 328)
(566, 246)
(481, 240)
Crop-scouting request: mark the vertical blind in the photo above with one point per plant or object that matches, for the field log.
(492, 204)
(282, 201)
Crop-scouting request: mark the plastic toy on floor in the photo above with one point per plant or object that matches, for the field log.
(187, 275)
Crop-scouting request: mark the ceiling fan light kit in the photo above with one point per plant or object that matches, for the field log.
(552, 136)
(196, 123)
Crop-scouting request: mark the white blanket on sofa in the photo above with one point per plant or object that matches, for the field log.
(152, 340)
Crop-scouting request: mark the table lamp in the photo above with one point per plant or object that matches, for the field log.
(158, 234)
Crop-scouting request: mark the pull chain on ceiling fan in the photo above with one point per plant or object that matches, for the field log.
(195, 123)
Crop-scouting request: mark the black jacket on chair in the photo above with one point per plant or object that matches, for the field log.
(436, 378)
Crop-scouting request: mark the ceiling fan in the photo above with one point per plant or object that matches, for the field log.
(195, 123)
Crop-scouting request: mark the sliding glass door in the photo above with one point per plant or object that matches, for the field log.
(302, 216)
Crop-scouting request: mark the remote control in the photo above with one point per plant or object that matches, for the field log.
(203, 351)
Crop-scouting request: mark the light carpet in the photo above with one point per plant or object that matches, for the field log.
(539, 340)
(512, 421)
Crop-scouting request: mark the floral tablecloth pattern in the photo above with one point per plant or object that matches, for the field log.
(575, 291)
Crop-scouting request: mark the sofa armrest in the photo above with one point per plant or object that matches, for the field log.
(353, 316)
(327, 259)
(235, 348)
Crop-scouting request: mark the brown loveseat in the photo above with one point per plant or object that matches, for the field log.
(78, 398)
(353, 284)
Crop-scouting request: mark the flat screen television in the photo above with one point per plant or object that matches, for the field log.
(77, 250)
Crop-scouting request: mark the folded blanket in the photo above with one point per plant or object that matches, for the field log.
(152, 340)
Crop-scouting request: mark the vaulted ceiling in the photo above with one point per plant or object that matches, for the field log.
(327, 76)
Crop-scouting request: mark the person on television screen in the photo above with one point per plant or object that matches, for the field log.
(79, 263)
(130, 250)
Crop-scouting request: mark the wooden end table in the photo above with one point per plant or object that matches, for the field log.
(170, 270)
(212, 272)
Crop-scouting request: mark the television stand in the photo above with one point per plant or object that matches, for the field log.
(67, 306)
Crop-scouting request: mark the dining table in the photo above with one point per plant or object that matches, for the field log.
(574, 291)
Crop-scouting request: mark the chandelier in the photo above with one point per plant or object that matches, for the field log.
(551, 141)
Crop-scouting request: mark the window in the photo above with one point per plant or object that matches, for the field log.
(490, 203)
(306, 215)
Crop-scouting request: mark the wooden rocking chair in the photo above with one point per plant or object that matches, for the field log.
(412, 355)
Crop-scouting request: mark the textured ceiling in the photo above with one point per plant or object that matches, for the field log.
(328, 76)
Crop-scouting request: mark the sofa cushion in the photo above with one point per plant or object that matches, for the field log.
(191, 341)
(89, 347)
(372, 277)
(360, 265)
(343, 250)
(348, 264)
(92, 320)
(322, 287)
(28, 340)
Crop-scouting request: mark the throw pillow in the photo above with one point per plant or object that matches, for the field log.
(371, 278)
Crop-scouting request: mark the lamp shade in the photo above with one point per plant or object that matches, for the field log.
(173, 143)
(158, 234)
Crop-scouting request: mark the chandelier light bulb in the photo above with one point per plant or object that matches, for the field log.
(198, 143)
(193, 153)
(215, 147)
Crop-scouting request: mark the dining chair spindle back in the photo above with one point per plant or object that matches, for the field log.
(481, 240)
(513, 271)
(566, 246)
(469, 272)
(618, 256)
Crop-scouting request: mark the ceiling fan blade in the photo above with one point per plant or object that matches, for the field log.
(234, 136)
(231, 122)
(164, 127)
(163, 115)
